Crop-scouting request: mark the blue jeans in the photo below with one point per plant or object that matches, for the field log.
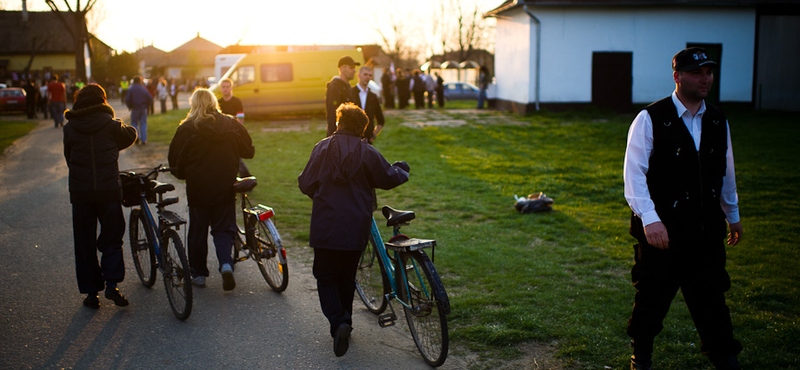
(222, 220)
(481, 98)
(139, 120)
(57, 112)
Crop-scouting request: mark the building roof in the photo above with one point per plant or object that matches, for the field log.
(49, 33)
(512, 4)
(151, 55)
(199, 44)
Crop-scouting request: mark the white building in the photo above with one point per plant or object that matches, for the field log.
(615, 53)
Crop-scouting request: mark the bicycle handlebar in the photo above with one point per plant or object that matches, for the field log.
(155, 170)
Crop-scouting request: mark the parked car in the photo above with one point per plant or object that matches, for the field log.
(12, 99)
(460, 91)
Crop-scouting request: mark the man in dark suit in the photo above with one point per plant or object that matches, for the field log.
(369, 102)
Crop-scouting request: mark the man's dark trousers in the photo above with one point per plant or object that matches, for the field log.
(698, 270)
(335, 271)
(87, 243)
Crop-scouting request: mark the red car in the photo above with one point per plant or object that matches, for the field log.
(11, 99)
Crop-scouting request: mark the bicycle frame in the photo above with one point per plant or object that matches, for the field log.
(391, 271)
(250, 220)
(151, 225)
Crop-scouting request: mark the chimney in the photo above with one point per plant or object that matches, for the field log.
(24, 11)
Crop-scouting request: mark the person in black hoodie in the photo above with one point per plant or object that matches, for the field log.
(205, 152)
(337, 91)
(340, 177)
(92, 141)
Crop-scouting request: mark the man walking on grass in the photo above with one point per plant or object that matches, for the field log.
(680, 184)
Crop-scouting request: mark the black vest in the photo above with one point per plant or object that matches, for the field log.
(684, 183)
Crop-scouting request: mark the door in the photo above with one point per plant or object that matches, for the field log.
(612, 80)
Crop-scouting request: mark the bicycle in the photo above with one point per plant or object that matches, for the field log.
(157, 246)
(262, 242)
(409, 277)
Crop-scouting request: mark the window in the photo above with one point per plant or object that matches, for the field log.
(243, 75)
(276, 72)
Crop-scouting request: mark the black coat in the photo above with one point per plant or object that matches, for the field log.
(340, 178)
(92, 141)
(372, 109)
(206, 154)
(337, 91)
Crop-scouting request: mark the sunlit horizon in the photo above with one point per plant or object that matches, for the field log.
(166, 25)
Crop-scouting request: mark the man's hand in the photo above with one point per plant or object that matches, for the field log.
(656, 235)
(735, 236)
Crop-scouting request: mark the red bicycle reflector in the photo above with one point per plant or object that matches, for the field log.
(265, 212)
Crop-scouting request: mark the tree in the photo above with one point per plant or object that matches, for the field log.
(396, 45)
(77, 29)
(459, 30)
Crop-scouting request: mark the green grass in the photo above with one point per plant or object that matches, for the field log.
(560, 278)
(10, 131)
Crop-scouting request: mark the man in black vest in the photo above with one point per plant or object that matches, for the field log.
(369, 102)
(681, 186)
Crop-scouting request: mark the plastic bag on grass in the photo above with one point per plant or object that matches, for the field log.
(534, 203)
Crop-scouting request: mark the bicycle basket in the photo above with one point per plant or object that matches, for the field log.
(131, 190)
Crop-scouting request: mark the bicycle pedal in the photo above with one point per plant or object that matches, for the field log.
(386, 320)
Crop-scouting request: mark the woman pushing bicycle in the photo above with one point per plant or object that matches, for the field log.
(92, 141)
(340, 177)
(205, 150)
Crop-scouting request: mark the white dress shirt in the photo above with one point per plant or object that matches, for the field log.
(637, 160)
(362, 94)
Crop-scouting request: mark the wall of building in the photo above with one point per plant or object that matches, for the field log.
(571, 34)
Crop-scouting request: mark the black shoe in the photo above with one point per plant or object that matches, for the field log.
(641, 365)
(341, 339)
(92, 301)
(119, 299)
(728, 362)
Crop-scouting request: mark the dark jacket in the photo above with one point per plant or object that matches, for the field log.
(138, 97)
(336, 93)
(372, 109)
(341, 177)
(206, 154)
(92, 141)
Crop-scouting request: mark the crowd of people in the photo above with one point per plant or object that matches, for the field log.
(403, 84)
(680, 213)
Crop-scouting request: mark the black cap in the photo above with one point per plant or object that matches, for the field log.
(347, 61)
(690, 59)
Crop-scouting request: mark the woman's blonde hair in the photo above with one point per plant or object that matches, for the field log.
(203, 105)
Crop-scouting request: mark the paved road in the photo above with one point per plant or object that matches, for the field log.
(43, 324)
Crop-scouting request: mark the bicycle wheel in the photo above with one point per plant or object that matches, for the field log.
(143, 250)
(270, 256)
(177, 278)
(426, 318)
(371, 280)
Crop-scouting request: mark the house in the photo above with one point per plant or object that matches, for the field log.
(38, 42)
(615, 53)
(192, 60)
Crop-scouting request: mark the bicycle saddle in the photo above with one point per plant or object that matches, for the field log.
(161, 187)
(396, 217)
(244, 184)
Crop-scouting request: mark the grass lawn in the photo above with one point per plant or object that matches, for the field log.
(560, 278)
(10, 131)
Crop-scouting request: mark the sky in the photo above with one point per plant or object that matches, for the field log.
(126, 25)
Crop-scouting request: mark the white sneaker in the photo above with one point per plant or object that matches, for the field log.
(199, 281)
(228, 283)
